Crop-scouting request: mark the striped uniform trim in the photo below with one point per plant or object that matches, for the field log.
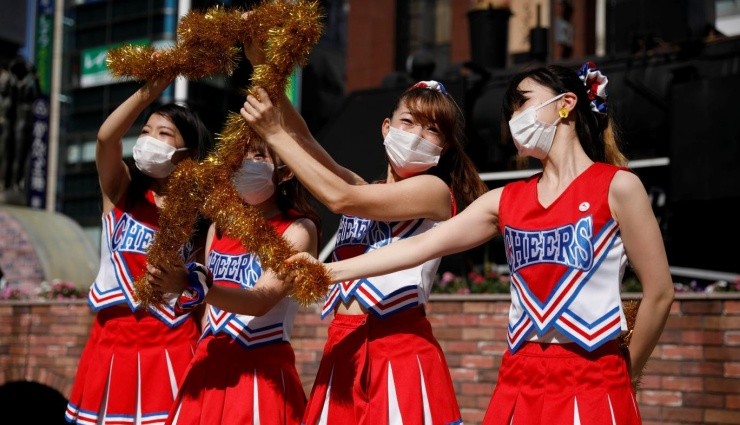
(166, 313)
(217, 318)
(518, 332)
(250, 338)
(368, 294)
(74, 416)
(590, 335)
(371, 298)
(98, 300)
(83, 417)
(119, 420)
(543, 315)
(220, 321)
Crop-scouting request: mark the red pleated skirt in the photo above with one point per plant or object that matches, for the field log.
(229, 384)
(563, 384)
(130, 369)
(382, 371)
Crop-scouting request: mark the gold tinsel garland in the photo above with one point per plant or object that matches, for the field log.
(630, 313)
(207, 44)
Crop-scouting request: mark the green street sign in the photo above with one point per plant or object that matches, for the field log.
(94, 70)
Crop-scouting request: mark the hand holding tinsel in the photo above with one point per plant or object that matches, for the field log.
(595, 83)
(302, 266)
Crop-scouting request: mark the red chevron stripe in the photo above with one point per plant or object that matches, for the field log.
(525, 325)
(589, 337)
(369, 294)
(103, 299)
(386, 306)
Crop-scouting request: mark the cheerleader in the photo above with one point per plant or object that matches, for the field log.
(382, 363)
(569, 232)
(135, 358)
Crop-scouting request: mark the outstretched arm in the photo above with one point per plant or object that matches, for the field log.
(475, 225)
(646, 253)
(113, 173)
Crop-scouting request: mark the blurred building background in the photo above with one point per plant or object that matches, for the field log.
(673, 66)
(674, 71)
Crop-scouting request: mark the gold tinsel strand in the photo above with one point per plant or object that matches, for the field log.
(206, 45)
(630, 313)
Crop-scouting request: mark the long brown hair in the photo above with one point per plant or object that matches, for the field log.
(455, 167)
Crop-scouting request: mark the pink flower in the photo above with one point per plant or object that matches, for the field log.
(446, 278)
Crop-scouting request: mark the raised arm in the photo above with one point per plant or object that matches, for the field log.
(295, 125)
(646, 253)
(422, 196)
(112, 172)
(475, 225)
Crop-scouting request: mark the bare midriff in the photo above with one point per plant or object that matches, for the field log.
(352, 307)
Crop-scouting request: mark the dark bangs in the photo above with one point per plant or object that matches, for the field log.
(514, 98)
(193, 131)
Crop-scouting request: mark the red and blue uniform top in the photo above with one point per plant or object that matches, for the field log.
(127, 232)
(566, 262)
(390, 293)
(232, 265)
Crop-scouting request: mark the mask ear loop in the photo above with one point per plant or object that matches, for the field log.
(287, 176)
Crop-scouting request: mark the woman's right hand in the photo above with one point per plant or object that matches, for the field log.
(290, 275)
(262, 115)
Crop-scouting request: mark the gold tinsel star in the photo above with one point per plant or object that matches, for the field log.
(206, 45)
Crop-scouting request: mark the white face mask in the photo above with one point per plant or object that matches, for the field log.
(154, 157)
(532, 137)
(410, 154)
(254, 182)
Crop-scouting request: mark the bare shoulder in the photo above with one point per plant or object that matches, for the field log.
(626, 185)
(628, 199)
(421, 179)
(491, 198)
(302, 234)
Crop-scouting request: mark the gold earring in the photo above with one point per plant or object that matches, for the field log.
(563, 112)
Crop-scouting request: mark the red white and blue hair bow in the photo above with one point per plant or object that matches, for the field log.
(431, 85)
(595, 83)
